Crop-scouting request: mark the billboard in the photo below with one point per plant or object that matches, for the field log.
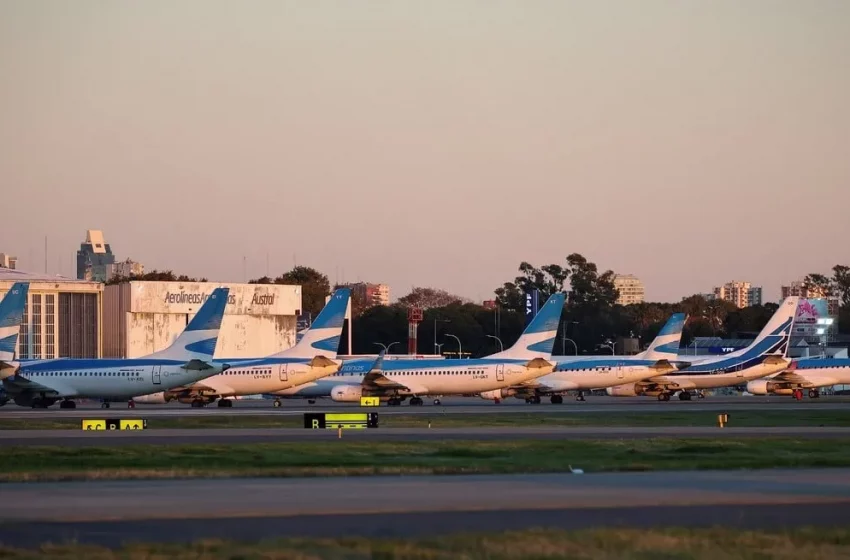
(532, 305)
(810, 310)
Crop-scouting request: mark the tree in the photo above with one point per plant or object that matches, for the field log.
(154, 276)
(547, 279)
(315, 287)
(589, 290)
(841, 283)
(381, 323)
(262, 280)
(749, 319)
(428, 298)
(821, 283)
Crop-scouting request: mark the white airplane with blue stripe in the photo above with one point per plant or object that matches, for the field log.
(11, 314)
(765, 356)
(40, 383)
(584, 373)
(808, 374)
(397, 380)
(312, 357)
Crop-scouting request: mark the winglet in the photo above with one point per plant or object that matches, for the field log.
(11, 314)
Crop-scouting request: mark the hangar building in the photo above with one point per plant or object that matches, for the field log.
(141, 317)
(61, 318)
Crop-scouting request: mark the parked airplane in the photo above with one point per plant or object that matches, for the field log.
(396, 380)
(807, 374)
(313, 357)
(765, 356)
(597, 372)
(40, 383)
(11, 313)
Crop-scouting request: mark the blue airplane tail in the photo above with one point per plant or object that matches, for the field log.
(200, 337)
(322, 338)
(11, 314)
(538, 339)
(665, 346)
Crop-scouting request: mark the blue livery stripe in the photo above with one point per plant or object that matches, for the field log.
(211, 312)
(548, 317)
(9, 343)
(674, 325)
(12, 305)
(330, 344)
(206, 346)
(544, 346)
(332, 316)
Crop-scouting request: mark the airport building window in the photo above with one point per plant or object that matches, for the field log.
(50, 325)
(36, 326)
(24, 337)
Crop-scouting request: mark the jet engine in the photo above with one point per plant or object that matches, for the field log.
(767, 387)
(346, 393)
(494, 395)
(627, 390)
(153, 398)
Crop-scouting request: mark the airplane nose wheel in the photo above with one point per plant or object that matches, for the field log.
(663, 396)
(276, 403)
(813, 393)
(437, 402)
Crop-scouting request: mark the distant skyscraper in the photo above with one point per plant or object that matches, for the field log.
(630, 289)
(8, 261)
(93, 257)
(740, 294)
(124, 269)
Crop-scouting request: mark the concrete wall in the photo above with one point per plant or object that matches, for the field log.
(144, 317)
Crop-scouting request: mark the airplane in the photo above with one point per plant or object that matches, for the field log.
(580, 373)
(765, 356)
(808, 373)
(312, 357)
(11, 314)
(396, 380)
(40, 383)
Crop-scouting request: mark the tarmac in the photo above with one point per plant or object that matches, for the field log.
(224, 436)
(111, 513)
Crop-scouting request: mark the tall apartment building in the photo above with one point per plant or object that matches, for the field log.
(8, 261)
(93, 257)
(371, 294)
(630, 289)
(809, 291)
(740, 294)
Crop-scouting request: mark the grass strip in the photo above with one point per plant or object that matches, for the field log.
(350, 458)
(601, 544)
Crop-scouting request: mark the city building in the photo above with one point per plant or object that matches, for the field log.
(143, 317)
(806, 290)
(93, 257)
(370, 294)
(8, 261)
(124, 269)
(490, 304)
(62, 318)
(740, 294)
(630, 289)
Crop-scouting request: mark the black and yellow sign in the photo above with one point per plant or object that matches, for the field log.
(370, 401)
(115, 424)
(347, 420)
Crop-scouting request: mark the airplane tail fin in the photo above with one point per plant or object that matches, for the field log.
(322, 338)
(198, 340)
(774, 338)
(666, 344)
(539, 336)
(11, 314)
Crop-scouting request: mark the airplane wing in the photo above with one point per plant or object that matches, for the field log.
(322, 362)
(8, 369)
(377, 381)
(789, 376)
(17, 385)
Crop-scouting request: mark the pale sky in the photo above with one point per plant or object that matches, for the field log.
(434, 143)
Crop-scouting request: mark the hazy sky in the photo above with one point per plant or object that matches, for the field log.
(433, 143)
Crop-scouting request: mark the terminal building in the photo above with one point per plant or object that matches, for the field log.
(141, 317)
(61, 318)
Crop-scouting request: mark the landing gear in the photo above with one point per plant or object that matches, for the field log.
(556, 399)
(437, 402)
(700, 394)
(394, 401)
(533, 400)
(131, 404)
(197, 403)
(276, 403)
(225, 403)
(684, 396)
(663, 396)
(67, 404)
(814, 394)
(580, 396)
(104, 405)
(416, 401)
(311, 401)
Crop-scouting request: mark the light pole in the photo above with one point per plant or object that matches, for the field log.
(440, 347)
(385, 346)
(459, 347)
(435, 329)
(609, 344)
(564, 339)
(501, 346)
(575, 346)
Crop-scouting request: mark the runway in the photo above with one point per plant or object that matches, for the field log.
(451, 405)
(110, 513)
(224, 436)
